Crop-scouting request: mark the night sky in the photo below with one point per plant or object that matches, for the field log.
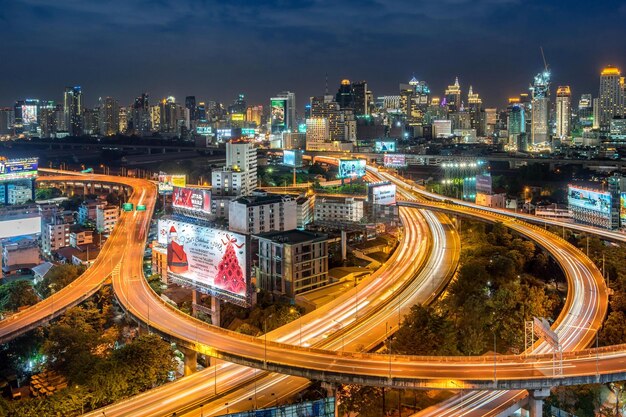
(217, 49)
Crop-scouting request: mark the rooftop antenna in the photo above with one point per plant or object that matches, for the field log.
(326, 90)
(545, 64)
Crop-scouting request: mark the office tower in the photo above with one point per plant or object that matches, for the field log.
(563, 111)
(540, 104)
(7, 117)
(139, 122)
(155, 118)
(73, 110)
(91, 121)
(169, 115)
(109, 116)
(475, 104)
(123, 118)
(361, 98)
(516, 123)
(317, 134)
(585, 111)
(254, 114)
(611, 98)
(27, 116)
(283, 112)
(489, 122)
(201, 112)
(453, 96)
(345, 95)
(324, 107)
(190, 104)
(47, 118)
(239, 105)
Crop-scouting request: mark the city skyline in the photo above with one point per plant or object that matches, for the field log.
(218, 51)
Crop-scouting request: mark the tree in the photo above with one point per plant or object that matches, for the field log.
(425, 332)
(614, 330)
(16, 294)
(58, 277)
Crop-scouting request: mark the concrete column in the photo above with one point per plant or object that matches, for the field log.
(344, 245)
(191, 361)
(536, 401)
(215, 311)
(194, 302)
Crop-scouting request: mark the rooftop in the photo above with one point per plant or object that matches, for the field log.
(292, 237)
(260, 199)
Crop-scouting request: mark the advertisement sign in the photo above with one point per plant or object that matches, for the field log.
(278, 112)
(168, 182)
(204, 130)
(483, 184)
(382, 193)
(588, 199)
(29, 114)
(224, 133)
(210, 260)
(237, 117)
(18, 169)
(248, 131)
(192, 199)
(385, 146)
(351, 168)
(622, 209)
(293, 158)
(394, 161)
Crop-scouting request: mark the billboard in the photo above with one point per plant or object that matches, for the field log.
(385, 146)
(237, 117)
(394, 161)
(278, 112)
(483, 184)
(382, 193)
(293, 158)
(622, 209)
(18, 169)
(168, 182)
(351, 168)
(204, 130)
(192, 199)
(12, 226)
(29, 114)
(210, 260)
(590, 200)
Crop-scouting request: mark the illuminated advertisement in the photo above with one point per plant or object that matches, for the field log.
(192, 199)
(351, 168)
(248, 131)
(18, 169)
(383, 193)
(622, 209)
(29, 114)
(394, 161)
(590, 200)
(168, 182)
(293, 158)
(204, 130)
(278, 112)
(210, 260)
(483, 184)
(224, 133)
(237, 117)
(385, 146)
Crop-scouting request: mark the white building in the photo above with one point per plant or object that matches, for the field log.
(563, 111)
(239, 176)
(106, 217)
(442, 128)
(348, 210)
(262, 213)
(317, 133)
(305, 210)
(54, 236)
(18, 194)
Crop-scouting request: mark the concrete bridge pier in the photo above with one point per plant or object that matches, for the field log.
(535, 402)
(191, 360)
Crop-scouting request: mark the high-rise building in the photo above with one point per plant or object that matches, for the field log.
(563, 111)
(91, 121)
(283, 112)
(139, 122)
(345, 95)
(324, 107)
(47, 118)
(155, 118)
(516, 123)
(254, 114)
(585, 111)
(7, 117)
(475, 104)
(201, 111)
(190, 104)
(26, 116)
(361, 98)
(540, 105)
(453, 96)
(239, 105)
(239, 175)
(109, 116)
(73, 110)
(611, 98)
(317, 134)
(123, 120)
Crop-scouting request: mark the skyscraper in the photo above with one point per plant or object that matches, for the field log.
(540, 104)
(611, 98)
(254, 114)
(73, 108)
(361, 98)
(475, 104)
(325, 107)
(563, 111)
(345, 95)
(453, 96)
(109, 116)
(190, 104)
(585, 111)
(140, 115)
(283, 112)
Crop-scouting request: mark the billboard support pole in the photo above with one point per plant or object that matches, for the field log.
(215, 311)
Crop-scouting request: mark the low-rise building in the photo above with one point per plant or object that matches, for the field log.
(54, 236)
(106, 218)
(338, 210)
(262, 212)
(18, 194)
(19, 253)
(80, 236)
(292, 262)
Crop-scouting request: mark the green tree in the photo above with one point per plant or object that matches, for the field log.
(425, 332)
(613, 331)
(16, 294)
(58, 277)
